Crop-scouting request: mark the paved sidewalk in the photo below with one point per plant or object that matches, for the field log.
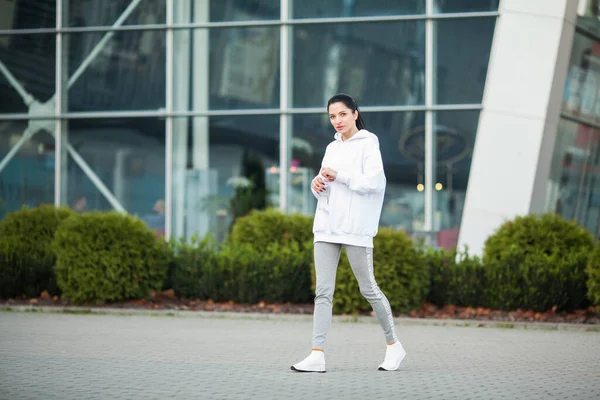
(62, 356)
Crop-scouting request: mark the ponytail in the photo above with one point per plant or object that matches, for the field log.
(360, 124)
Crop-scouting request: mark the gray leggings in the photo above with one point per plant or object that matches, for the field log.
(327, 257)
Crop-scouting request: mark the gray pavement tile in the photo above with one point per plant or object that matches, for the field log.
(140, 357)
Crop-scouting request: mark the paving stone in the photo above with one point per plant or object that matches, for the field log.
(62, 356)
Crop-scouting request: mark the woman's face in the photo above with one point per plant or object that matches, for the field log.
(342, 118)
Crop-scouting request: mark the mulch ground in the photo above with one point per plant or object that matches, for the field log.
(168, 301)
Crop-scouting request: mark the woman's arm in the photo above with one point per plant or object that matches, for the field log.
(372, 180)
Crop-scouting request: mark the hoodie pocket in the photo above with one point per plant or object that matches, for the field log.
(321, 222)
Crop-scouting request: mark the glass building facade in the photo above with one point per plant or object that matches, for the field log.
(162, 108)
(574, 183)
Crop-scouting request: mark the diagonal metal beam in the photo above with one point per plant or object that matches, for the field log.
(27, 134)
(100, 45)
(27, 98)
(95, 179)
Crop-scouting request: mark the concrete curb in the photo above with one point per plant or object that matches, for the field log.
(400, 321)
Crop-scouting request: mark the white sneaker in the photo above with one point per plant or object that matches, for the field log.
(394, 354)
(315, 362)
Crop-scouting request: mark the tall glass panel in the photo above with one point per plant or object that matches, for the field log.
(26, 164)
(126, 72)
(574, 187)
(244, 67)
(462, 59)
(244, 10)
(581, 97)
(461, 6)
(102, 13)
(359, 59)
(28, 74)
(355, 8)
(117, 162)
(402, 149)
(454, 135)
(222, 167)
(30, 14)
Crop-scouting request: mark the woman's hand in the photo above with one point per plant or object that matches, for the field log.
(329, 174)
(318, 185)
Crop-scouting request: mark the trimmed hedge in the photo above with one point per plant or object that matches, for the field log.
(459, 283)
(532, 262)
(537, 262)
(107, 257)
(241, 273)
(593, 281)
(399, 270)
(26, 254)
(261, 228)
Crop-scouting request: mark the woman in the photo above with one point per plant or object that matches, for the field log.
(349, 189)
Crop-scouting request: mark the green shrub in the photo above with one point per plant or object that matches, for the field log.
(187, 263)
(537, 262)
(107, 257)
(241, 273)
(593, 273)
(262, 228)
(26, 254)
(459, 283)
(399, 270)
(280, 273)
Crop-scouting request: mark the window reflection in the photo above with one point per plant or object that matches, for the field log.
(28, 178)
(222, 168)
(454, 137)
(574, 186)
(128, 72)
(127, 156)
(244, 68)
(244, 10)
(359, 59)
(457, 6)
(355, 8)
(462, 59)
(103, 13)
(31, 61)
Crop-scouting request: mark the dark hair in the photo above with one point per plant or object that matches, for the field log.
(351, 104)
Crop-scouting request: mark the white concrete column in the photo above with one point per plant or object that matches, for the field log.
(182, 13)
(201, 53)
(61, 137)
(521, 108)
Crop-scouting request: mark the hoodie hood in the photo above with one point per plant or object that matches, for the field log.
(361, 134)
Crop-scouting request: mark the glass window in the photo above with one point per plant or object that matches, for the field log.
(361, 60)
(117, 161)
(455, 133)
(355, 8)
(574, 186)
(27, 177)
(581, 97)
(459, 6)
(127, 72)
(31, 14)
(462, 59)
(28, 74)
(403, 159)
(81, 13)
(244, 67)
(222, 167)
(244, 10)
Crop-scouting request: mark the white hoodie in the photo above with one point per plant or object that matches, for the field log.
(348, 210)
